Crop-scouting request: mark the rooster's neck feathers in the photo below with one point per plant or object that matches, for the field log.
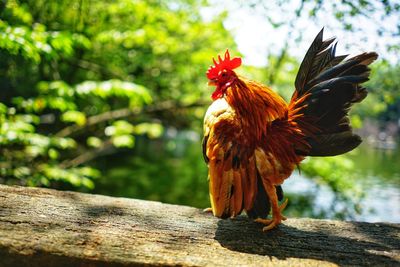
(256, 105)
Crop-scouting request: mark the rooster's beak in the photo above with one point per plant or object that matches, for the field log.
(212, 82)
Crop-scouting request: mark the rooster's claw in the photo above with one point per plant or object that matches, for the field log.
(207, 210)
(276, 220)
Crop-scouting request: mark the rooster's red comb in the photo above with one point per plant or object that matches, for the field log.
(223, 64)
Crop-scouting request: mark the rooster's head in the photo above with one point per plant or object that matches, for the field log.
(222, 75)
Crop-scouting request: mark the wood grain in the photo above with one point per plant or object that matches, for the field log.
(44, 227)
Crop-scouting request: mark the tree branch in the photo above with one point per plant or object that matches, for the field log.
(106, 148)
(126, 112)
(45, 227)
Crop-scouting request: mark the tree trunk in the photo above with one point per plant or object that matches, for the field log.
(44, 227)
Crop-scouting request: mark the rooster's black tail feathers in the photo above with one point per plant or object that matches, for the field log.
(332, 86)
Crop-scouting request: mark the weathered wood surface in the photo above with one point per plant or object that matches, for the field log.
(42, 227)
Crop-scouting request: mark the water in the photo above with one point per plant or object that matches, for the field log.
(379, 172)
(172, 170)
(379, 204)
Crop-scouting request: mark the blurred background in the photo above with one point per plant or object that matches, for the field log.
(108, 97)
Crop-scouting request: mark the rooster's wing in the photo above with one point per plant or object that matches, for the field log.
(231, 162)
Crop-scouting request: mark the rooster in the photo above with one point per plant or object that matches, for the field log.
(254, 139)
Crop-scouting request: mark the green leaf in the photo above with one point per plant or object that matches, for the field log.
(17, 126)
(119, 127)
(3, 108)
(153, 130)
(123, 127)
(74, 116)
(63, 143)
(123, 141)
(137, 94)
(89, 172)
(53, 154)
(87, 183)
(94, 141)
(22, 172)
(34, 151)
(79, 176)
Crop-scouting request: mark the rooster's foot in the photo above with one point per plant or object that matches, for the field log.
(276, 219)
(207, 210)
(274, 222)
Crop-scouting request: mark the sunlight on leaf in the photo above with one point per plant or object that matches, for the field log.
(123, 141)
(74, 116)
(153, 130)
(94, 141)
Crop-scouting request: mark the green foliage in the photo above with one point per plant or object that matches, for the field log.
(167, 170)
(81, 79)
(33, 158)
(338, 174)
(383, 101)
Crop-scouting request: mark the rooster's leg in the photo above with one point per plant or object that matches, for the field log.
(277, 216)
(268, 221)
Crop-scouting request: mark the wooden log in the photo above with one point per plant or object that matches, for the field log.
(44, 227)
